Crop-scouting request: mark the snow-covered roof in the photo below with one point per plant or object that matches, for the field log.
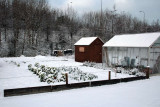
(85, 41)
(133, 40)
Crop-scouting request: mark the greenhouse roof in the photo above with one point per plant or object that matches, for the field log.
(133, 40)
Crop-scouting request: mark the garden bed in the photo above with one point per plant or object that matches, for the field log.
(14, 72)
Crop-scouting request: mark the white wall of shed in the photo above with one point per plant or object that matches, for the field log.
(141, 55)
(154, 53)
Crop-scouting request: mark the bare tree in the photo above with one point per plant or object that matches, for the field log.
(4, 7)
(27, 26)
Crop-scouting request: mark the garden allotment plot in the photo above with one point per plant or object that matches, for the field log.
(14, 72)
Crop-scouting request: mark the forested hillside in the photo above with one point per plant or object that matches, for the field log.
(31, 27)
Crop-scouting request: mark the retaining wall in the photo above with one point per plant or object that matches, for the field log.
(52, 88)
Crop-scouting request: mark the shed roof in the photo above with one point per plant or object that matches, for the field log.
(85, 41)
(133, 40)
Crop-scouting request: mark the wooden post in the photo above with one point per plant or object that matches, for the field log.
(90, 84)
(147, 72)
(66, 74)
(109, 75)
(115, 72)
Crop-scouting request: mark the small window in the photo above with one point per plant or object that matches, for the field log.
(81, 49)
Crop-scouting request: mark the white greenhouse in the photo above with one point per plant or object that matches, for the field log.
(133, 50)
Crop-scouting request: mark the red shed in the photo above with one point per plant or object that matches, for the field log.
(89, 49)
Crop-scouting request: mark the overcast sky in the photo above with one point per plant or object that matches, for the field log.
(150, 7)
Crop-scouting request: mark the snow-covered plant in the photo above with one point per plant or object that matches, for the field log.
(43, 68)
(29, 66)
(43, 77)
(15, 63)
(37, 65)
(50, 80)
(119, 70)
(134, 71)
(57, 74)
(91, 76)
(18, 65)
(23, 62)
(63, 78)
(53, 70)
(48, 70)
(34, 70)
(95, 65)
(89, 64)
(140, 74)
(83, 77)
(38, 71)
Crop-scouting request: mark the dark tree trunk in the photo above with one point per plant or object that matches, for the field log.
(71, 34)
(16, 33)
(0, 37)
(5, 33)
(32, 38)
(24, 39)
(48, 33)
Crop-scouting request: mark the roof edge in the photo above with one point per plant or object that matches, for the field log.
(88, 44)
(154, 41)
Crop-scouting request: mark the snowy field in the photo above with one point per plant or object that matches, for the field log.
(14, 72)
(142, 93)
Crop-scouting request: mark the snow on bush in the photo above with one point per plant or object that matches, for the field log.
(57, 74)
(122, 70)
(133, 71)
(15, 63)
(95, 65)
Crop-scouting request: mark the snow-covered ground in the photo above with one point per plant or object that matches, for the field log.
(142, 93)
(14, 72)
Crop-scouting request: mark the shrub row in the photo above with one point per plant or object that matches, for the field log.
(57, 74)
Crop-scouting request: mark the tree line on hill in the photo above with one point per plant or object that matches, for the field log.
(30, 27)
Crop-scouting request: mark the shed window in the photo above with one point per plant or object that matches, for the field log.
(81, 49)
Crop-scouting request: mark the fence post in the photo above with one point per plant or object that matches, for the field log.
(115, 72)
(109, 75)
(147, 72)
(90, 84)
(66, 74)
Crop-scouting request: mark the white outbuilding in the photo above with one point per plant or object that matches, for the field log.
(133, 50)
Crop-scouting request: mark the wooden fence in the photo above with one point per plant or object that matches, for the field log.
(52, 88)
